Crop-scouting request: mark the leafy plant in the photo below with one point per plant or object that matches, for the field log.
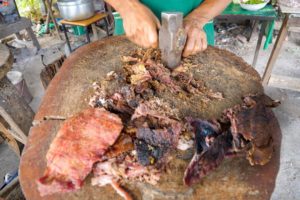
(254, 2)
(29, 9)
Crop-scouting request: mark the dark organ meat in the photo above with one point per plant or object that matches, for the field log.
(211, 158)
(245, 128)
(81, 141)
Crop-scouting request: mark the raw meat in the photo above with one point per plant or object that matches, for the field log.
(249, 126)
(152, 145)
(247, 131)
(208, 160)
(205, 132)
(122, 145)
(81, 141)
(125, 167)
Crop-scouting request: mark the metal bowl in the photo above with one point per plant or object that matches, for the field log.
(74, 10)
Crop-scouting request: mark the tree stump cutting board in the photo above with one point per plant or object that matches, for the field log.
(71, 88)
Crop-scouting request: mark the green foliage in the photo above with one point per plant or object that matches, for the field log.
(29, 9)
(255, 2)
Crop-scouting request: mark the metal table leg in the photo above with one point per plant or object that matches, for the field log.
(87, 34)
(261, 34)
(106, 26)
(276, 49)
(67, 39)
(95, 34)
(254, 26)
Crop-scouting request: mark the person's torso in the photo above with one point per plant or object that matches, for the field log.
(184, 6)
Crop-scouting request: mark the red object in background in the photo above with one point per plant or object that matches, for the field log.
(8, 12)
(3, 3)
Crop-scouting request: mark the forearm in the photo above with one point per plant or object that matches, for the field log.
(122, 6)
(208, 10)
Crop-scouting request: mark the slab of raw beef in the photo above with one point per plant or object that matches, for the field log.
(80, 142)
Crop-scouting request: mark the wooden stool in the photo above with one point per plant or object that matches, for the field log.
(86, 23)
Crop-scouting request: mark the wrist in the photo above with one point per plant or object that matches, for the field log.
(194, 22)
(196, 19)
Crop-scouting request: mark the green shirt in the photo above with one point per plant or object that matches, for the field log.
(184, 6)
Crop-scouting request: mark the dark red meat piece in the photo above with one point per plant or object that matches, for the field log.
(248, 131)
(250, 126)
(205, 132)
(207, 161)
(80, 142)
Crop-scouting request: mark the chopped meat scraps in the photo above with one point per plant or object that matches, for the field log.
(80, 142)
(122, 145)
(151, 145)
(157, 132)
(123, 168)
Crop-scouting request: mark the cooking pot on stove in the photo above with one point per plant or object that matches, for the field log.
(74, 10)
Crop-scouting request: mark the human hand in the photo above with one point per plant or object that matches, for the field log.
(140, 24)
(196, 37)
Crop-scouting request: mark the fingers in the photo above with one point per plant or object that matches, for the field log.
(196, 42)
(143, 36)
(152, 37)
(189, 46)
(204, 41)
(144, 30)
(158, 25)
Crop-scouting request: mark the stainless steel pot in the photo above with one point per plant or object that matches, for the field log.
(74, 10)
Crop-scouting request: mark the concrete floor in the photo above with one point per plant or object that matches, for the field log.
(288, 114)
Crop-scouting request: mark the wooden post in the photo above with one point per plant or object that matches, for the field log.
(33, 38)
(10, 139)
(48, 18)
(276, 49)
(53, 18)
(15, 131)
(261, 34)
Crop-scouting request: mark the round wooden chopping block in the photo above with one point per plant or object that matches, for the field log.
(71, 88)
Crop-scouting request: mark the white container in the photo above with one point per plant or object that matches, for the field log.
(254, 7)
